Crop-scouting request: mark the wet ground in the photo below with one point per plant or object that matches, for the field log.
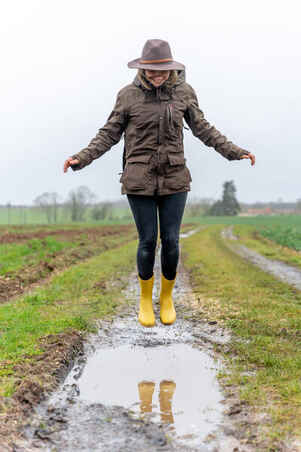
(64, 234)
(280, 270)
(144, 389)
(91, 241)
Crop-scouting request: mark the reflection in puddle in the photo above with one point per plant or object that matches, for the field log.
(167, 389)
(173, 384)
(146, 390)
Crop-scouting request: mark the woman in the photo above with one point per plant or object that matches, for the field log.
(150, 113)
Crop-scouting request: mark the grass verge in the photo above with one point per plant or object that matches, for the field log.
(265, 317)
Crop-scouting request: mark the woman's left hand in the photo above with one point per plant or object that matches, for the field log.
(249, 156)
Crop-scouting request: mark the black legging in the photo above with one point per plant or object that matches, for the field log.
(171, 209)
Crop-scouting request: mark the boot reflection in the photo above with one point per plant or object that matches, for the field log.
(146, 390)
(167, 389)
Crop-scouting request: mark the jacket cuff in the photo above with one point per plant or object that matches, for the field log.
(79, 166)
(243, 152)
(236, 152)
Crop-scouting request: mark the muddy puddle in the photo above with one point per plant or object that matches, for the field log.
(280, 270)
(141, 389)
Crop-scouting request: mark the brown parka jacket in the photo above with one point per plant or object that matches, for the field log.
(152, 122)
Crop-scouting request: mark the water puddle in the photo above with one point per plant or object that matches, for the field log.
(173, 384)
(157, 374)
(184, 235)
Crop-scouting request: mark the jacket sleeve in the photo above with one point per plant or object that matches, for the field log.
(207, 133)
(106, 137)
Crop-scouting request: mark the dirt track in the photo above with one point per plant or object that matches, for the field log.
(65, 234)
(162, 394)
(134, 389)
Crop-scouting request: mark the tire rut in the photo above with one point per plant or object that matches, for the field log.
(280, 270)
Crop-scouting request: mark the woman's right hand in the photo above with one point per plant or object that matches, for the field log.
(70, 161)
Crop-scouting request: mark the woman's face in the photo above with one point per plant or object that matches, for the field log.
(156, 78)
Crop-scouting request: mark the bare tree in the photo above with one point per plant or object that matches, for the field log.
(298, 206)
(48, 203)
(8, 206)
(197, 207)
(55, 203)
(102, 211)
(78, 201)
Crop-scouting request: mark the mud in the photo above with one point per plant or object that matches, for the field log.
(34, 379)
(64, 234)
(280, 270)
(138, 389)
(92, 242)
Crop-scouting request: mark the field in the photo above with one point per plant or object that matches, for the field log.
(56, 282)
(293, 221)
(24, 215)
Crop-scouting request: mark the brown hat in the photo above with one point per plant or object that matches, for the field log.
(156, 54)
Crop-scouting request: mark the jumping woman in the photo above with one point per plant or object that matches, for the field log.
(150, 113)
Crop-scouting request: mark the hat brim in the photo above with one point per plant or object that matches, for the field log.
(169, 66)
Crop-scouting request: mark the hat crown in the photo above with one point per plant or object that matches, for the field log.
(156, 55)
(156, 49)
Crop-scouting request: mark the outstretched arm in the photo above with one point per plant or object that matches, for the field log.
(106, 137)
(209, 135)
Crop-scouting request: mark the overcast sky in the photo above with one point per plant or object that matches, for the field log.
(63, 62)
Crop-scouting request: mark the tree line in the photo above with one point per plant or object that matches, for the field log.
(81, 198)
(81, 205)
(76, 205)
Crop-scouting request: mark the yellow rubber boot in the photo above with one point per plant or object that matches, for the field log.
(146, 313)
(167, 310)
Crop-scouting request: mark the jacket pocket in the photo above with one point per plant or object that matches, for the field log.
(177, 175)
(136, 174)
(175, 159)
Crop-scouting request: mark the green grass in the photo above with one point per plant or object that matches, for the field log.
(72, 300)
(255, 238)
(15, 256)
(265, 317)
(34, 215)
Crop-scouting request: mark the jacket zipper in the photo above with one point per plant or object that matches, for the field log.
(159, 124)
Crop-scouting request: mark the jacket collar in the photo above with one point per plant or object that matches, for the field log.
(163, 91)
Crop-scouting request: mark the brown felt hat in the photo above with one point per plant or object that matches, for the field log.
(156, 54)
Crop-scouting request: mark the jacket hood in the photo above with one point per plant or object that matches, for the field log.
(181, 77)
